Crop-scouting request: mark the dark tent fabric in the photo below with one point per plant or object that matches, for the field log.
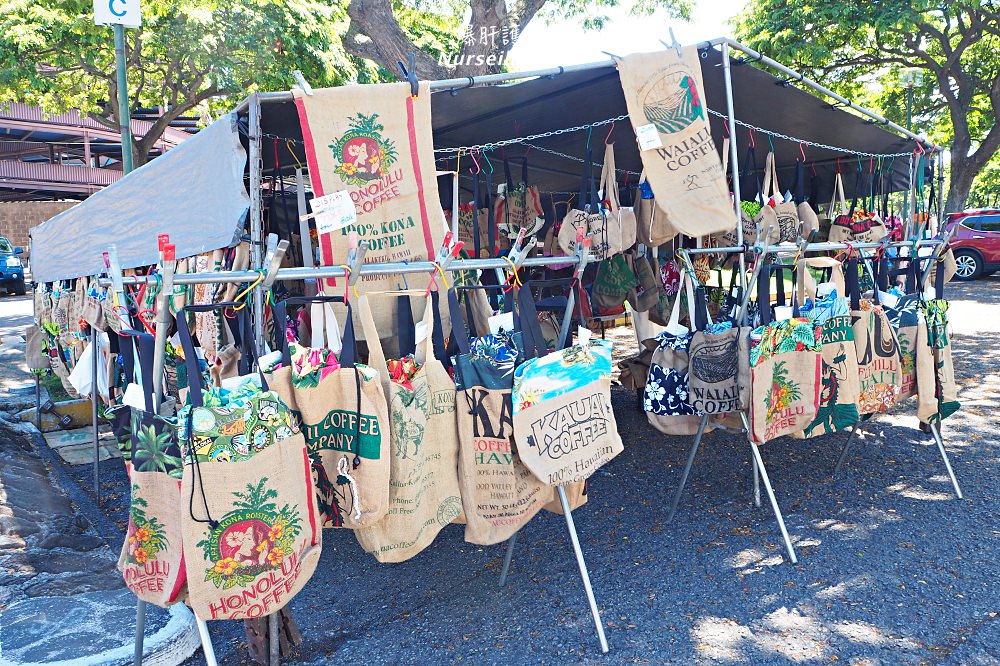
(471, 116)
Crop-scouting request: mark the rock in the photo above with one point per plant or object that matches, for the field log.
(10, 542)
(78, 542)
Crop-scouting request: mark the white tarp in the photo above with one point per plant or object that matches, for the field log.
(195, 193)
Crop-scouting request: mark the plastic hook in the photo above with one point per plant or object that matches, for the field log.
(607, 139)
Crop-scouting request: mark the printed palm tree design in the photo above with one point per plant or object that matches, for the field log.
(258, 537)
(153, 448)
(407, 432)
(145, 535)
(783, 391)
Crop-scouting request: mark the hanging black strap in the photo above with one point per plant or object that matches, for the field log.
(437, 333)
(764, 295)
(491, 229)
(524, 171)
(939, 280)
(506, 174)
(800, 182)
(404, 327)
(459, 333)
(750, 167)
(851, 283)
(857, 189)
(548, 215)
(349, 352)
(531, 330)
(588, 195)
(700, 316)
(882, 274)
(476, 205)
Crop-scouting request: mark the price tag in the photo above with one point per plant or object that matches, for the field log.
(824, 289)
(782, 312)
(583, 336)
(334, 211)
(421, 331)
(677, 329)
(648, 136)
(503, 321)
(887, 299)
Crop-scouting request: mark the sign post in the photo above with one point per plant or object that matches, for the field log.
(121, 14)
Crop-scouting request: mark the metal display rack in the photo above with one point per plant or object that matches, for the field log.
(263, 262)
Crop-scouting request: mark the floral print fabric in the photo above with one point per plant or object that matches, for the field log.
(403, 370)
(233, 426)
(666, 391)
(490, 362)
(560, 372)
(797, 334)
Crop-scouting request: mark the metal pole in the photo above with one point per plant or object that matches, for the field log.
(940, 178)
(734, 160)
(256, 219)
(206, 642)
(584, 574)
(508, 556)
(274, 648)
(687, 467)
(140, 631)
(847, 445)
(936, 431)
(756, 483)
(95, 396)
(307, 253)
(124, 118)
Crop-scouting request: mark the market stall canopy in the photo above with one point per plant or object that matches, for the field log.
(195, 193)
(467, 117)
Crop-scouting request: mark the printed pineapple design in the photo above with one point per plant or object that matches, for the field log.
(783, 391)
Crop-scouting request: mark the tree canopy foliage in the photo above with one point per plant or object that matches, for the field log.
(861, 48)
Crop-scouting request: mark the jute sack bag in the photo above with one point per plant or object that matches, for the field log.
(251, 526)
(755, 216)
(848, 226)
(785, 368)
(590, 215)
(653, 228)
(564, 426)
(519, 207)
(152, 555)
(345, 421)
(907, 320)
(666, 392)
(719, 374)
(807, 216)
(786, 211)
(841, 386)
(879, 361)
(499, 494)
(424, 493)
(625, 216)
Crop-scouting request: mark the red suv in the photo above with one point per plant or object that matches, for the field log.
(976, 243)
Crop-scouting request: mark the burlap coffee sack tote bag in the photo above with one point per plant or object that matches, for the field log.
(251, 525)
(345, 419)
(499, 494)
(807, 216)
(719, 374)
(907, 319)
(879, 360)
(564, 426)
(786, 211)
(652, 226)
(518, 207)
(424, 492)
(785, 371)
(840, 382)
(945, 387)
(666, 104)
(152, 556)
(590, 216)
(624, 217)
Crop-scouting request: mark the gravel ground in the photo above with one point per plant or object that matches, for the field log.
(892, 568)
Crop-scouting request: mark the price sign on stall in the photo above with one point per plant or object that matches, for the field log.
(124, 12)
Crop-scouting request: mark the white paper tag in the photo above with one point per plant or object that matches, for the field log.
(929, 294)
(501, 188)
(503, 321)
(824, 289)
(648, 136)
(421, 331)
(583, 336)
(887, 299)
(334, 211)
(782, 312)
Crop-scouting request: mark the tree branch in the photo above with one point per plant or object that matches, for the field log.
(375, 19)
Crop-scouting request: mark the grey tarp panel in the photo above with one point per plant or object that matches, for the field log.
(194, 192)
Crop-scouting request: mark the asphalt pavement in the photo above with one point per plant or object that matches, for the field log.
(892, 568)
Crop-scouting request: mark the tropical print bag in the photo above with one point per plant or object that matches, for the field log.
(152, 557)
(785, 370)
(879, 361)
(251, 526)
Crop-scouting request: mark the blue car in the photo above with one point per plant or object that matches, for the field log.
(11, 268)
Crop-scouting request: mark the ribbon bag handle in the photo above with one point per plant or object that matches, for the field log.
(851, 283)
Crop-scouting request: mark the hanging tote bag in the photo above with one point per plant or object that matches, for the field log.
(807, 216)
(152, 557)
(908, 321)
(646, 293)
(879, 362)
(852, 226)
(785, 370)
(785, 211)
(344, 415)
(423, 481)
(719, 354)
(564, 426)
(519, 207)
(665, 396)
(612, 285)
(592, 217)
(945, 388)
(653, 228)
(618, 215)
(251, 526)
(499, 494)
(840, 382)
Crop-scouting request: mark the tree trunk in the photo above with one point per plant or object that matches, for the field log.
(963, 173)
